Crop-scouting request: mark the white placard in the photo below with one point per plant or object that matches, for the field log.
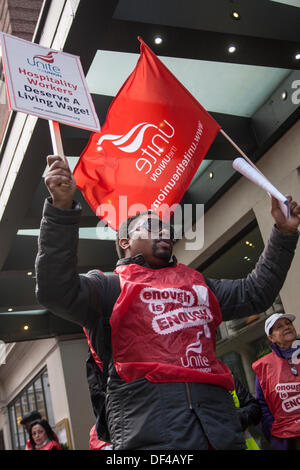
(243, 167)
(47, 83)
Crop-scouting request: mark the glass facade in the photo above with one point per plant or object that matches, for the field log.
(35, 396)
(234, 362)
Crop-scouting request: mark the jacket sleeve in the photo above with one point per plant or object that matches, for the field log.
(77, 298)
(256, 293)
(249, 411)
(267, 417)
(267, 420)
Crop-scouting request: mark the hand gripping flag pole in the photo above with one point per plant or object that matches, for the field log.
(57, 143)
(56, 140)
(239, 150)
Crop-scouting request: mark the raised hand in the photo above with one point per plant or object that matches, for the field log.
(285, 225)
(60, 182)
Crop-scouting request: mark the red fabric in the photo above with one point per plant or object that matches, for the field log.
(94, 354)
(155, 137)
(28, 445)
(281, 389)
(50, 446)
(95, 443)
(164, 327)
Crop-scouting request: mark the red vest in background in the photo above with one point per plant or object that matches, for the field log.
(164, 327)
(281, 389)
(28, 445)
(50, 446)
(95, 443)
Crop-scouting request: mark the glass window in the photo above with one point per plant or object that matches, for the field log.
(235, 261)
(13, 427)
(24, 403)
(2, 445)
(237, 258)
(31, 398)
(36, 396)
(46, 387)
(234, 362)
(40, 402)
(19, 414)
(261, 347)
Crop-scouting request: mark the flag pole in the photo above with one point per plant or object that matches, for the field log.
(239, 150)
(56, 140)
(57, 143)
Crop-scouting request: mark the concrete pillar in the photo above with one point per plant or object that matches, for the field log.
(73, 357)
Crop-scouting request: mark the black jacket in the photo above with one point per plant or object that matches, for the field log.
(249, 410)
(140, 414)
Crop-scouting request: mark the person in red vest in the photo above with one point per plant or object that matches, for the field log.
(42, 436)
(278, 384)
(166, 388)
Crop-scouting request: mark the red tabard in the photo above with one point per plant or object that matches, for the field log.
(50, 446)
(281, 389)
(164, 327)
(95, 443)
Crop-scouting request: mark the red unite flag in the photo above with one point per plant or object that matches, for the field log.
(154, 138)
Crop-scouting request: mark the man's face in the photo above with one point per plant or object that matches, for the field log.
(148, 237)
(283, 333)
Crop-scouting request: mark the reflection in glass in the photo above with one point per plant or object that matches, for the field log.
(40, 405)
(20, 431)
(13, 423)
(48, 400)
(31, 398)
(24, 402)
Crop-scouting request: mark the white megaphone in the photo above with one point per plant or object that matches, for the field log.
(254, 175)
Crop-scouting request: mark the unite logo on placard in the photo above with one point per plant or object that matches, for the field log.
(44, 62)
(134, 140)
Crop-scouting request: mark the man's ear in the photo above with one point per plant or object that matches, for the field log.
(124, 243)
(270, 338)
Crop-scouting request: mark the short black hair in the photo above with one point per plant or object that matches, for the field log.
(44, 423)
(124, 229)
(31, 416)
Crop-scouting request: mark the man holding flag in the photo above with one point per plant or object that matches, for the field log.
(156, 397)
(152, 325)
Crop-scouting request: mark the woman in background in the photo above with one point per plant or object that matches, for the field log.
(42, 437)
